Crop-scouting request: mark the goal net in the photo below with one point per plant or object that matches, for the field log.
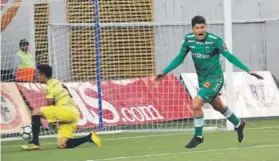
(107, 54)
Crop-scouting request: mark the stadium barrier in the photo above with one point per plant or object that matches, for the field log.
(125, 102)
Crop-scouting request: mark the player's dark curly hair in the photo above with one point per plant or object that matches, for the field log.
(45, 69)
(198, 20)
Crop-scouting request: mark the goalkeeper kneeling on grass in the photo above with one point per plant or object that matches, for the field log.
(62, 110)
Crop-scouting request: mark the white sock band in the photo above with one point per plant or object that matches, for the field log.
(228, 113)
(199, 122)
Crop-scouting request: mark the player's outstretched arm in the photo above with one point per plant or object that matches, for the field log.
(175, 62)
(235, 61)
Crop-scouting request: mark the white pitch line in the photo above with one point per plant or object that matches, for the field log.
(178, 153)
(112, 139)
(144, 136)
(259, 128)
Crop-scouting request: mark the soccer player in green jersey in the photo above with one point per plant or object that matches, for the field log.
(206, 49)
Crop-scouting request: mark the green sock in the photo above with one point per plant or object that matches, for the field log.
(199, 122)
(231, 117)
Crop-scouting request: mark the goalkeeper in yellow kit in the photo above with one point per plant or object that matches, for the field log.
(60, 109)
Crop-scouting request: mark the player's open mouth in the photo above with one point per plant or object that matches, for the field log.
(200, 36)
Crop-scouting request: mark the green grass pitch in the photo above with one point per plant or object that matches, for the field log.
(261, 143)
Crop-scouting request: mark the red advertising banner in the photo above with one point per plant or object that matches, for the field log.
(14, 113)
(34, 94)
(124, 102)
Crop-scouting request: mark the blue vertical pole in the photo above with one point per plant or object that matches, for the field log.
(98, 63)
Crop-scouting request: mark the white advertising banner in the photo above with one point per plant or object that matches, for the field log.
(251, 97)
(14, 112)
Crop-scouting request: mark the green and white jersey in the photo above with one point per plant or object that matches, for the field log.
(205, 55)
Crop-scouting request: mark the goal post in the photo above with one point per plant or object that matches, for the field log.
(228, 66)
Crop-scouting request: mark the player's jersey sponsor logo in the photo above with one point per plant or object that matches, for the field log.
(202, 56)
(191, 40)
(198, 42)
(209, 42)
(204, 43)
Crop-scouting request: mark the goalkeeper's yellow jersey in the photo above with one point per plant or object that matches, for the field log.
(57, 91)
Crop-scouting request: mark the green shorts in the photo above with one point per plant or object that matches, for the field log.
(210, 89)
